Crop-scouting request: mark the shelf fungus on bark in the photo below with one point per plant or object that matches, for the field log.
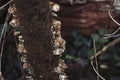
(62, 77)
(56, 24)
(16, 33)
(22, 57)
(60, 70)
(54, 7)
(54, 14)
(12, 10)
(61, 67)
(59, 42)
(21, 48)
(14, 22)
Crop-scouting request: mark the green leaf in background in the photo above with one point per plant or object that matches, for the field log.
(90, 53)
(104, 41)
(70, 57)
(95, 36)
(103, 66)
(101, 32)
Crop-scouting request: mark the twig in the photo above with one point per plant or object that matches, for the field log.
(109, 35)
(22, 70)
(96, 71)
(5, 21)
(5, 5)
(109, 13)
(2, 36)
(96, 63)
(112, 36)
(117, 40)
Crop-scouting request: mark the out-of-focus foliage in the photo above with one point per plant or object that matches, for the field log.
(80, 46)
(79, 49)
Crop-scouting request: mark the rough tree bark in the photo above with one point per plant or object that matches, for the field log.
(35, 21)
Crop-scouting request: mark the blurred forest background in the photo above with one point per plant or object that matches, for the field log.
(84, 26)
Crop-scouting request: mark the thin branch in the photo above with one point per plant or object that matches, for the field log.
(109, 35)
(5, 23)
(117, 40)
(2, 44)
(5, 5)
(2, 36)
(96, 63)
(96, 71)
(109, 13)
(106, 46)
(112, 36)
(4, 31)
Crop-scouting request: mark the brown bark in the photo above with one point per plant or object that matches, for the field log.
(35, 21)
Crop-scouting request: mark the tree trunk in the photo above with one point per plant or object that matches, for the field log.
(35, 21)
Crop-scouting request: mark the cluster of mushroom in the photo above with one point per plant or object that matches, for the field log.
(22, 52)
(59, 42)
